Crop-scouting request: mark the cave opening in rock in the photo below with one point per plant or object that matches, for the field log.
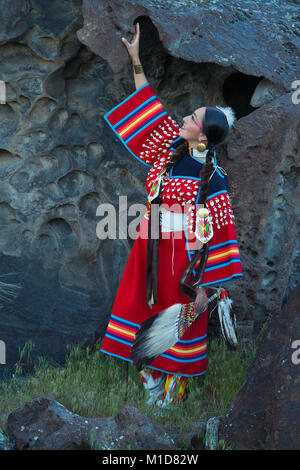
(238, 89)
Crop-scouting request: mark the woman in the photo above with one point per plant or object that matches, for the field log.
(170, 267)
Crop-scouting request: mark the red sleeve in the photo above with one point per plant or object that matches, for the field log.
(143, 125)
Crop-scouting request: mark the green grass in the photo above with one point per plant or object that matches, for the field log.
(92, 384)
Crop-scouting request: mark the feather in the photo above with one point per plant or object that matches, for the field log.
(155, 336)
(230, 115)
(227, 322)
(161, 331)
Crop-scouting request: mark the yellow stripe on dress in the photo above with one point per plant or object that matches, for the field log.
(121, 330)
(187, 351)
(233, 250)
(141, 117)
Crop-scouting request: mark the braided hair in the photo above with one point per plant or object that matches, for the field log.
(215, 127)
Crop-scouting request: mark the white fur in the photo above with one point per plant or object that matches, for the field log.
(229, 114)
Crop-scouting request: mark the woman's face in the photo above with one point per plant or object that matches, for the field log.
(190, 129)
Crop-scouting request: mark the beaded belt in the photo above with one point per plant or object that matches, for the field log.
(171, 221)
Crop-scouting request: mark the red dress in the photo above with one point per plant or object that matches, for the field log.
(151, 135)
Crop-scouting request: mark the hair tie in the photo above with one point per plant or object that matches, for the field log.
(211, 152)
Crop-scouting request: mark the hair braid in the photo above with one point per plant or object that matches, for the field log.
(204, 174)
(215, 127)
(187, 289)
(177, 155)
(153, 243)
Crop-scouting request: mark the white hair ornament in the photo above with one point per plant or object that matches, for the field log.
(229, 113)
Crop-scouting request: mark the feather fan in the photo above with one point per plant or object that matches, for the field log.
(161, 331)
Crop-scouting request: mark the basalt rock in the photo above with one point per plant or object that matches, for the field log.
(255, 38)
(45, 424)
(266, 411)
(5, 442)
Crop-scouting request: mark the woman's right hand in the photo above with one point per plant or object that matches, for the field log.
(133, 46)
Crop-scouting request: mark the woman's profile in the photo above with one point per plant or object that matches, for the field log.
(180, 253)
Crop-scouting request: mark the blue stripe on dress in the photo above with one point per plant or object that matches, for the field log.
(175, 359)
(217, 246)
(155, 368)
(225, 280)
(183, 342)
(144, 125)
(137, 110)
(123, 142)
(125, 322)
(216, 194)
(117, 338)
(191, 341)
(236, 259)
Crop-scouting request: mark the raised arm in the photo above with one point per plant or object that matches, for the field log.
(133, 51)
(140, 121)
